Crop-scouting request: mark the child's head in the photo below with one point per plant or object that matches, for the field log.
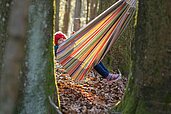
(59, 38)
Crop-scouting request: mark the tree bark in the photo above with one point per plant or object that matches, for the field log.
(26, 57)
(4, 16)
(66, 16)
(77, 15)
(149, 88)
(39, 82)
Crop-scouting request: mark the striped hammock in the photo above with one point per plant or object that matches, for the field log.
(86, 48)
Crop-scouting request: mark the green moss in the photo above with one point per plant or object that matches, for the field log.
(4, 17)
(50, 82)
(50, 87)
(149, 88)
(141, 108)
(136, 14)
(128, 106)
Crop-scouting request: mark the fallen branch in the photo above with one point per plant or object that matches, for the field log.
(53, 104)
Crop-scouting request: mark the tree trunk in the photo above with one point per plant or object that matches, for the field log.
(87, 16)
(66, 16)
(93, 9)
(149, 88)
(77, 15)
(13, 54)
(39, 82)
(57, 15)
(26, 58)
(4, 16)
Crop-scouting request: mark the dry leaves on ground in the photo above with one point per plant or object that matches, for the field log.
(91, 96)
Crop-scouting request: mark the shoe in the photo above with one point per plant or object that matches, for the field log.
(114, 77)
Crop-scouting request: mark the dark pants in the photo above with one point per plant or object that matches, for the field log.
(56, 47)
(101, 69)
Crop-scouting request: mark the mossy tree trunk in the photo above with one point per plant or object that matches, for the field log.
(4, 16)
(26, 64)
(39, 83)
(149, 88)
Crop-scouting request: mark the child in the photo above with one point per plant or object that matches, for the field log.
(59, 38)
(100, 68)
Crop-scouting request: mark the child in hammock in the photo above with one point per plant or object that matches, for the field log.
(100, 68)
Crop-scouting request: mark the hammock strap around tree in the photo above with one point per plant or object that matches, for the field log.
(90, 44)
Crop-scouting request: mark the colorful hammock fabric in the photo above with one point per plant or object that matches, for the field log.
(90, 44)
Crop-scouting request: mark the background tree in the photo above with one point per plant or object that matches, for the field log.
(87, 12)
(93, 9)
(66, 16)
(13, 52)
(77, 14)
(149, 88)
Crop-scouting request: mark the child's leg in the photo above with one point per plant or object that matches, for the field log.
(103, 66)
(100, 68)
(56, 47)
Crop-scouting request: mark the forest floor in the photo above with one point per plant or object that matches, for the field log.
(94, 95)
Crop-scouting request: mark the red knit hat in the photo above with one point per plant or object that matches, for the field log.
(59, 35)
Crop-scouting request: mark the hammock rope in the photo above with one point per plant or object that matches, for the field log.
(89, 45)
